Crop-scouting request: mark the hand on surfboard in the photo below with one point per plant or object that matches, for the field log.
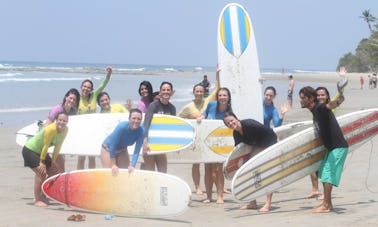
(342, 83)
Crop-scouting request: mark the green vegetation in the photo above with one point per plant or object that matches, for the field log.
(366, 57)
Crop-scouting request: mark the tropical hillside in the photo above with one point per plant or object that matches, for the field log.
(365, 58)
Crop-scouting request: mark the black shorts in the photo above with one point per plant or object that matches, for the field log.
(31, 159)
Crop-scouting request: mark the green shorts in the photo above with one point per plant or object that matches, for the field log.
(332, 166)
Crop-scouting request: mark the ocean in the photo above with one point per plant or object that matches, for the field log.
(30, 89)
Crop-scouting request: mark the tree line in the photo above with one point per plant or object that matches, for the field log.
(365, 58)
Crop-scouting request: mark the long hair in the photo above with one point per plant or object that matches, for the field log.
(270, 88)
(89, 81)
(148, 85)
(326, 91)
(229, 98)
(76, 93)
(227, 114)
(308, 92)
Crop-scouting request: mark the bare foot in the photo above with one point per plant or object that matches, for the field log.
(265, 209)
(199, 191)
(226, 191)
(40, 204)
(312, 195)
(321, 209)
(321, 197)
(206, 201)
(220, 201)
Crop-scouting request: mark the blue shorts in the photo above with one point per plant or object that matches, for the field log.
(332, 166)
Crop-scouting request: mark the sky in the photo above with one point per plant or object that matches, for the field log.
(295, 34)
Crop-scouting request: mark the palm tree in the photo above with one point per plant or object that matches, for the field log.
(368, 17)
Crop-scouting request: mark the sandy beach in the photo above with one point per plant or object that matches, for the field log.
(355, 201)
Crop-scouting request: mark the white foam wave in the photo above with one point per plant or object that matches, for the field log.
(24, 109)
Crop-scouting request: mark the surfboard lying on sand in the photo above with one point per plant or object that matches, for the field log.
(243, 152)
(238, 62)
(139, 193)
(297, 156)
(87, 133)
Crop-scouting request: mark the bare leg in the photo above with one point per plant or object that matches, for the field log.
(91, 162)
(219, 182)
(60, 160)
(40, 198)
(196, 178)
(315, 187)
(123, 160)
(105, 158)
(80, 162)
(326, 206)
(161, 162)
(208, 182)
(268, 203)
(149, 162)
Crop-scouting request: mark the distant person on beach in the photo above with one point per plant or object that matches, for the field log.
(103, 100)
(88, 105)
(362, 82)
(114, 153)
(290, 91)
(36, 157)
(329, 130)
(374, 80)
(214, 171)
(206, 84)
(251, 132)
(69, 106)
(271, 114)
(161, 106)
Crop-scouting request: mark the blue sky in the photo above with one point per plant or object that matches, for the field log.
(295, 34)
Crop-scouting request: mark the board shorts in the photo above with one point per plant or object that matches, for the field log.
(31, 159)
(332, 166)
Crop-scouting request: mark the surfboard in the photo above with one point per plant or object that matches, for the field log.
(87, 133)
(238, 62)
(140, 193)
(212, 143)
(297, 156)
(243, 152)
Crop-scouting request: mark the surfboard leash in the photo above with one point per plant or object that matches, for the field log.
(66, 189)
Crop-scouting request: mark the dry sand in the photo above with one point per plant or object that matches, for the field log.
(355, 201)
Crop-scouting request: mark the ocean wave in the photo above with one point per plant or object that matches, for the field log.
(40, 79)
(24, 109)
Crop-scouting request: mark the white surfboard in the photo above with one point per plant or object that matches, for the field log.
(243, 152)
(87, 133)
(297, 156)
(238, 62)
(140, 193)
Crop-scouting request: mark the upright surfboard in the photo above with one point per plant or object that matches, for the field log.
(238, 62)
(297, 156)
(87, 133)
(140, 193)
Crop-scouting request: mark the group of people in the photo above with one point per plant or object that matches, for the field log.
(217, 105)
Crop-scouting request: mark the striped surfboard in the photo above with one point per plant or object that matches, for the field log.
(297, 156)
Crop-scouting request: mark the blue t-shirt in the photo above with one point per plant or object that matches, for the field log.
(211, 112)
(122, 137)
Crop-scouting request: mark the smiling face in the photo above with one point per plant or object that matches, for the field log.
(198, 92)
(104, 103)
(231, 122)
(135, 119)
(70, 100)
(165, 92)
(143, 91)
(321, 96)
(86, 88)
(269, 96)
(223, 97)
(61, 121)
